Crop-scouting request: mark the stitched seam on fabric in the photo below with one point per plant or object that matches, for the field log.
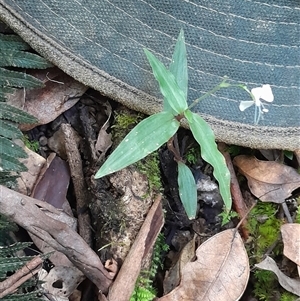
(240, 17)
(196, 70)
(193, 46)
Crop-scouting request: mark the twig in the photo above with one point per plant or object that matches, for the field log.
(81, 192)
(124, 283)
(29, 214)
(236, 193)
(9, 285)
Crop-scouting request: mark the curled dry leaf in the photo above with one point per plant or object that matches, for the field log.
(289, 284)
(268, 180)
(291, 240)
(220, 272)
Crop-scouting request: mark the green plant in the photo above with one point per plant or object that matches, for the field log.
(297, 217)
(144, 290)
(33, 145)
(154, 131)
(10, 262)
(13, 53)
(264, 227)
(150, 167)
(287, 296)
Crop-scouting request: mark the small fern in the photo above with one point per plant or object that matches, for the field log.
(10, 262)
(144, 290)
(14, 54)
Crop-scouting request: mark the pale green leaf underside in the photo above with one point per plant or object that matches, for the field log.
(210, 153)
(167, 84)
(146, 137)
(187, 190)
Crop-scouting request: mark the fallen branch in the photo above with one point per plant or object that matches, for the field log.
(124, 283)
(81, 192)
(31, 214)
(237, 198)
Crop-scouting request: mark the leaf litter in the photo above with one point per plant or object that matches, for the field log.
(221, 268)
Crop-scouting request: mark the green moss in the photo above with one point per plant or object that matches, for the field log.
(265, 285)
(264, 228)
(125, 121)
(192, 155)
(150, 167)
(33, 145)
(286, 296)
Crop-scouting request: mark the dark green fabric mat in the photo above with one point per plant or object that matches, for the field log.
(100, 43)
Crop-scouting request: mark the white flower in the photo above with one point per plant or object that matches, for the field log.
(264, 93)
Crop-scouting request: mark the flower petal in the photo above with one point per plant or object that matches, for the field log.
(245, 104)
(266, 93)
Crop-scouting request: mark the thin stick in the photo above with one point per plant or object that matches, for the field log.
(237, 198)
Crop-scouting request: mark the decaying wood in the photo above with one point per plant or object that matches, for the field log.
(9, 285)
(31, 214)
(123, 286)
(81, 192)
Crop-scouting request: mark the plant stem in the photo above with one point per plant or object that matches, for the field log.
(215, 89)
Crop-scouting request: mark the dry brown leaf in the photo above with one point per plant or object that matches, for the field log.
(221, 271)
(289, 284)
(172, 278)
(34, 163)
(268, 180)
(291, 240)
(104, 141)
(60, 93)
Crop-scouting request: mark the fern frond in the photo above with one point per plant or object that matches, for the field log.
(9, 130)
(13, 263)
(11, 149)
(22, 59)
(4, 91)
(11, 249)
(33, 296)
(9, 163)
(12, 42)
(10, 78)
(8, 179)
(14, 114)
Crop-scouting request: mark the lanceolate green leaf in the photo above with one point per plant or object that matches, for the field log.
(167, 83)
(178, 68)
(187, 190)
(210, 153)
(146, 137)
